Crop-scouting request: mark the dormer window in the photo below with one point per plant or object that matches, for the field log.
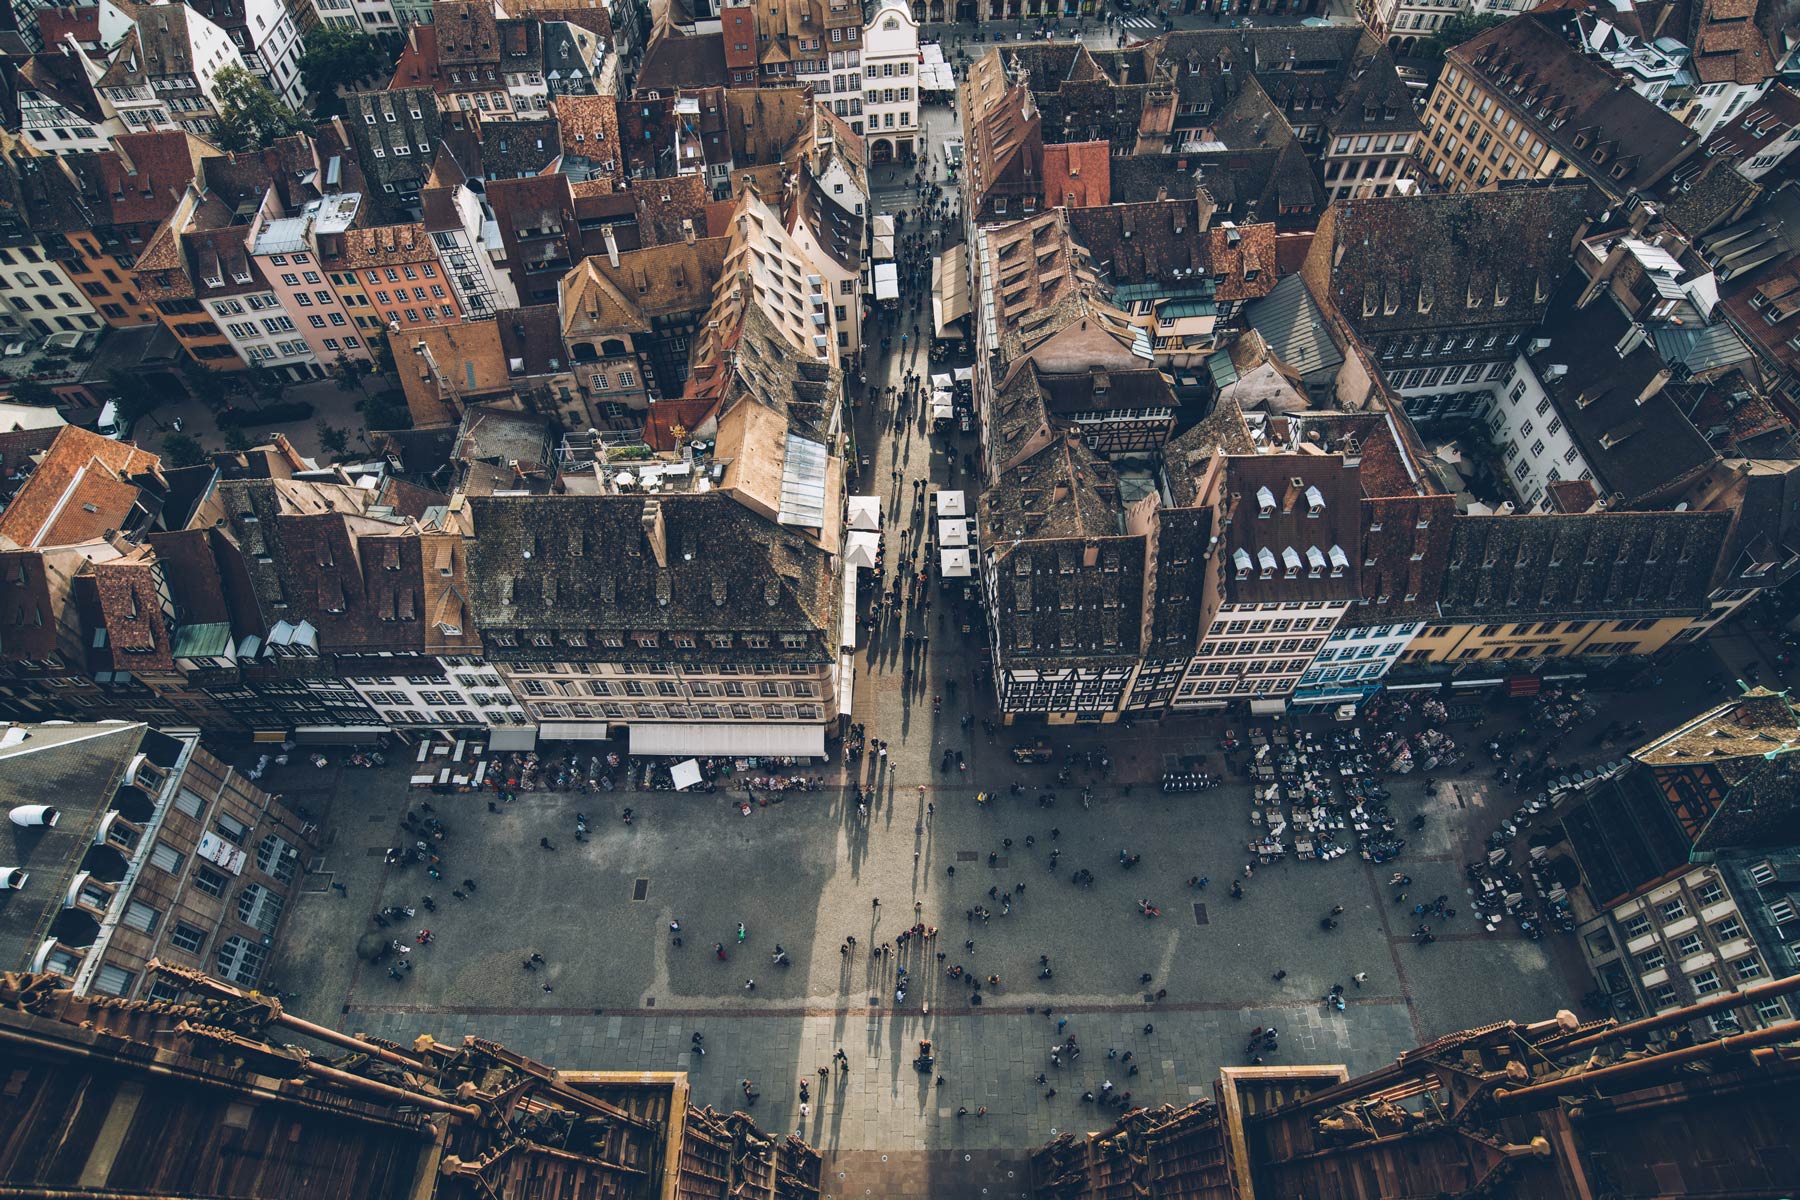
(1340, 562)
(1265, 561)
(1240, 559)
(1265, 502)
(1315, 502)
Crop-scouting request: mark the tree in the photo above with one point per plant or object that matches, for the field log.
(335, 440)
(349, 373)
(182, 450)
(250, 115)
(337, 59)
(208, 386)
(33, 391)
(264, 384)
(236, 440)
(135, 395)
(1456, 31)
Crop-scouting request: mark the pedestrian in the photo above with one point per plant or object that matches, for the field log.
(548, 988)
(341, 889)
(876, 902)
(1149, 1029)
(1279, 975)
(741, 933)
(1161, 993)
(1359, 977)
(545, 843)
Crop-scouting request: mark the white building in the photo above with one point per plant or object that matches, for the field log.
(890, 91)
(274, 48)
(263, 334)
(178, 53)
(1352, 663)
(40, 297)
(1526, 426)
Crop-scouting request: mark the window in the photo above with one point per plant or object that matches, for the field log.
(1688, 945)
(1762, 874)
(1672, 910)
(231, 829)
(1727, 930)
(259, 907)
(276, 858)
(186, 937)
(1709, 893)
(1636, 926)
(1747, 968)
(140, 916)
(165, 859)
(1652, 960)
(1706, 983)
(241, 961)
(209, 881)
(189, 802)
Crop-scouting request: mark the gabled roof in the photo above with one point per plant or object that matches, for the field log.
(1617, 138)
(1632, 434)
(1624, 565)
(84, 486)
(1435, 262)
(673, 61)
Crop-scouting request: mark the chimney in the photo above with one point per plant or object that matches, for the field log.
(612, 244)
(656, 532)
(1654, 386)
(1090, 554)
(687, 230)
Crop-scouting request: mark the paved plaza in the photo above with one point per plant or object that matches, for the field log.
(615, 991)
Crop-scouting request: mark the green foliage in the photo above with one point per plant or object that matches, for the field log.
(33, 391)
(335, 440)
(182, 450)
(1456, 31)
(630, 453)
(209, 387)
(236, 440)
(269, 414)
(136, 395)
(337, 59)
(387, 410)
(251, 116)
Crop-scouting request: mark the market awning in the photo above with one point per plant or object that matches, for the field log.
(887, 281)
(846, 683)
(965, 375)
(953, 531)
(512, 738)
(884, 248)
(572, 731)
(799, 741)
(955, 563)
(865, 512)
(685, 774)
(940, 411)
(950, 504)
(338, 735)
(940, 381)
(861, 548)
(847, 614)
(949, 290)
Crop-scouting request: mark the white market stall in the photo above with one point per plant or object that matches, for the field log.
(864, 512)
(951, 504)
(953, 531)
(954, 562)
(887, 281)
(686, 774)
(862, 548)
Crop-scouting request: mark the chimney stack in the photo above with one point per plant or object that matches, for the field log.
(612, 244)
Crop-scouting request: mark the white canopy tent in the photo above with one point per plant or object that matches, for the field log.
(940, 381)
(685, 773)
(953, 531)
(884, 237)
(865, 512)
(861, 548)
(887, 281)
(954, 562)
(940, 411)
(951, 504)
